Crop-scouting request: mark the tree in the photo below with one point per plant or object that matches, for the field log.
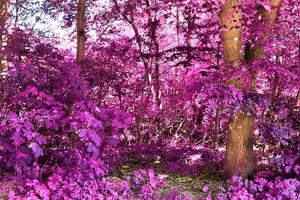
(3, 33)
(239, 158)
(81, 37)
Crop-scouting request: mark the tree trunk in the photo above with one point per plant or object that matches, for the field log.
(254, 50)
(231, 16)
(158, 85)
(81, 37)
(3, 34)
(217, 127)
(157, 66)
(298, 99)
(239, 158)
(17, 12)
(153, 32)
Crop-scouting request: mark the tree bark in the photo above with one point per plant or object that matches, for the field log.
(81, 37)
(3, 34)
(154, 40)
(157, 66)
(17, 12)
(239, 160)
(298, 99)
(217, 127)
(231, 21)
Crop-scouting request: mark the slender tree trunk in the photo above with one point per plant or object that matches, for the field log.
(3, 34)
(217, 127)
(190, 27)
(298, 98)
(298, 93)
(17, 12)
(154, 40)
(218, 109)
(157, 66)
(177, 24)
(81, 37)
(158, 85)
(146, 62)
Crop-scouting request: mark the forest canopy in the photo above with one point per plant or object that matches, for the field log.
(150, 99)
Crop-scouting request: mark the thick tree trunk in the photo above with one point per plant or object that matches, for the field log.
(81, 37)
(231, 21)
(239, 158)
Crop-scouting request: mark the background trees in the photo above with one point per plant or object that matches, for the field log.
(165, 86)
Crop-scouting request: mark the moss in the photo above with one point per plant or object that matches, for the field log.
(191, 185)
(194, 184)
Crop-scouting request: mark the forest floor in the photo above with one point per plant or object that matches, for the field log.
(192, 171)
(194, 178)
(189, 170)
(185, 184)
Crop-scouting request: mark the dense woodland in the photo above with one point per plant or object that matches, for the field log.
(150, 99)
